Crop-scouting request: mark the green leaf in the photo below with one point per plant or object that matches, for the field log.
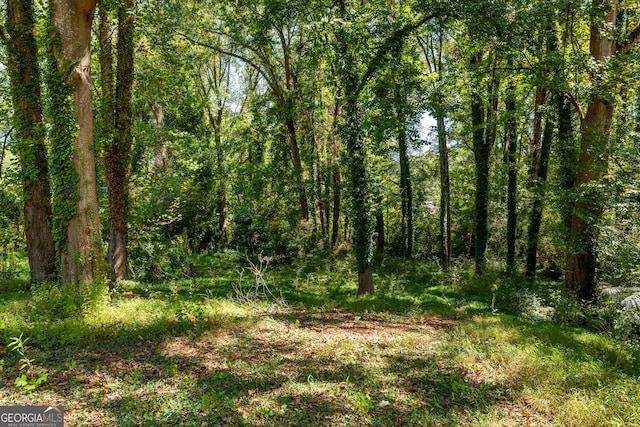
(21, 381)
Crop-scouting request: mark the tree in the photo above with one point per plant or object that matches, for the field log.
(595, 130)
(267, 37)
(350, 130)
(511, 140)
(540, 162)
(354, 73)
(484, 135)
(433, 50)
(29, 137)
(117, 151)
(76, 225)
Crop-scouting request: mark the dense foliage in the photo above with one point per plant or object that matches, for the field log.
(419, 129)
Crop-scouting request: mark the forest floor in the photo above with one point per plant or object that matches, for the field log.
(301, 349)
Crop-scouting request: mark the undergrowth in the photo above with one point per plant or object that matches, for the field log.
(292, 344)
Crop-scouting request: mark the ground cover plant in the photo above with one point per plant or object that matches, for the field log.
(428, 349)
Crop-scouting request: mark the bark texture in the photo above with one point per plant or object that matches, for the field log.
(118, 150)
(592, 163)
(81, 253)
(29, 138)
(406, 193)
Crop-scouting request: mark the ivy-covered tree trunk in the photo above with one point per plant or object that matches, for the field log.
(445, 193)
(483, 138)
(350, 130)
(568, 158)
(118, 151)
(512, 186)
(481, 158)
(358, 187)
(592, 163)
(539, 190)
(29, 138)
(75, 207)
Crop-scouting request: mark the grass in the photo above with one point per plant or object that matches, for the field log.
(428, 349)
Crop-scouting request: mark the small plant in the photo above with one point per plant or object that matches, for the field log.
(18, 344)
(363, 401)
(26, 381)
(631, 315)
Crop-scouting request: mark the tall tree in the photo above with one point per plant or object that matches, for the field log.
(76, 225)
(484, 133)
(592, 163)
(118, 149)
(432, 46)
(540, 162)
(354, 73)
(406, 193)
(511, 140)
(29, 137)
(350, 130)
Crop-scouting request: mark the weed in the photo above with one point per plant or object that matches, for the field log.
(28, 380)
(363, 401)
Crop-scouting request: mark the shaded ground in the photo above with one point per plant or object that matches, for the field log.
(198, 352)
(291, 367)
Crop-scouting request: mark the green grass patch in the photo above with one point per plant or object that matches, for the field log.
(427, 349)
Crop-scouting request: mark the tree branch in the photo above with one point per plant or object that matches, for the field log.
(634, 38)
(394, 41)
(263, 73)
(576, 104)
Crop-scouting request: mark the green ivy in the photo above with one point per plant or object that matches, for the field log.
(63, 130)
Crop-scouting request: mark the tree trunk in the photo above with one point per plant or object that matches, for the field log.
(161, 156)
(483, 137)
(350, 130)
(539, 175)
(221, 193)
(405, 188)
(4, 149)
(592, 164)
(539, 190)
(536, 143)
(118, 152)
(445, 194)
(379, 233)
(568, 158)
(335, 182)
(77, 220)
(29, 138)
(297, 169)
(512, 187)
(358, 188)
(481, 159)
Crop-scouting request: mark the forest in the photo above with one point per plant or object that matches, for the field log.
(321, 212)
